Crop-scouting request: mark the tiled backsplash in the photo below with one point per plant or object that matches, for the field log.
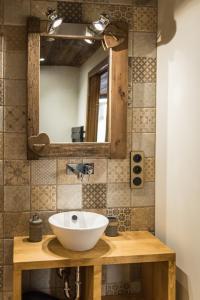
(43, 186)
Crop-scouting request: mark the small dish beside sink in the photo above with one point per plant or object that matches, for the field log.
(78, 230)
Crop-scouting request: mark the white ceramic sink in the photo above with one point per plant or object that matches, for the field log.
(78, 230)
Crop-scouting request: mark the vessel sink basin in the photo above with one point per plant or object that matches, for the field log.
(78, 230)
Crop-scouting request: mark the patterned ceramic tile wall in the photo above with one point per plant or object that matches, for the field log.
(43, 186)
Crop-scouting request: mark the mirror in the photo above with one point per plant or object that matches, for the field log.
(74, 86)
(77, 91)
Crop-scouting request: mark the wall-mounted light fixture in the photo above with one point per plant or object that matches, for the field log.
(55, 20)
(101, 24)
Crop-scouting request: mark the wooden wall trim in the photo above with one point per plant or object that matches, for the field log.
(118, 100)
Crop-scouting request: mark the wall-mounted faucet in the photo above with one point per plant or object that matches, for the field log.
(80, 169)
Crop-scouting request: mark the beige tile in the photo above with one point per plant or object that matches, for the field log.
(94, 195)
(15, 38)
(144, 69)
(16, 12)
(125, 2)
(1, 199)
(43, 172)
(16, 198)
(143, 218)
(1, 92)
(144, 95)
(15, 92)
(144, 44)
(144, 142)
(1, 225)
(1, 172)
(8, 251)
(1, 64)
(19, 150)
(143, 197)
(100, 170)
(118, 170)
(43, 197)
(152, 3)
(16, 172)
(1, 146)
(16, 224)
(39, 8)
(69, 196)
(1, 251)
(7, 278)
(149, 169)
(144, 120)
(129, 119)
(65, 177)
(119, 195)
(15, 119)
(145, 19)
(124, 217)
(1, 118)
(15, 65)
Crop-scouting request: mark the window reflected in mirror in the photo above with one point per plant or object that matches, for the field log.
(74, 89)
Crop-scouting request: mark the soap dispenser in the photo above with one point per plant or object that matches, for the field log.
(35, 229)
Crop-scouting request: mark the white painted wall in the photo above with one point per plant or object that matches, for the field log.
(178, 140)
(58, 101)
(93, 61)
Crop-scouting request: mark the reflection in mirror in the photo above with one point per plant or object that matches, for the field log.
(74, 77)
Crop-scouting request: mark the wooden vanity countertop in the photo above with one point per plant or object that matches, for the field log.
(128, 247)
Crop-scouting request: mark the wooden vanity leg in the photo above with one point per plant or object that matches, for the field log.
(171, 280)
(93, 281)
(17, 285)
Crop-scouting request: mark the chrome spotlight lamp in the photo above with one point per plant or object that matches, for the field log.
(100, 25)
(55, 20)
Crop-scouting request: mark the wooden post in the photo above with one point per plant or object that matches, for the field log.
(17, 285)
(93, 279)
(171, 280)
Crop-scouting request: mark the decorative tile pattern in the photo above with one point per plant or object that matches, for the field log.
(43, 197)
(143, 197)
(16, 224)
(43, 172)
(129, 119)
(16, 198)
(1, 118)
(100, 170)
(123, 288)
(149, 169)
(115, 12)
(1, 172)
(152, 3)
(15, 146)
(119, 195)
(143, 218)
(16, 172)
(130, 83)
(71, 12)
(69, 196)
(94, 195)
(17, 88)
(1, 225)
(15, 38)
(144, 69)
(144, 44)
(144, 120)
(144, 142)
(15, 119)
(15, 65)
(7, 278)
(1, 278)
(63, 177)
(118, 170)
(1, 251)
(1, 92)
(145, 19)
(124, 217)
(144, 95)
(1, 64)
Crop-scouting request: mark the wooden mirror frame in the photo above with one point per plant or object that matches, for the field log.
(39, 144)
